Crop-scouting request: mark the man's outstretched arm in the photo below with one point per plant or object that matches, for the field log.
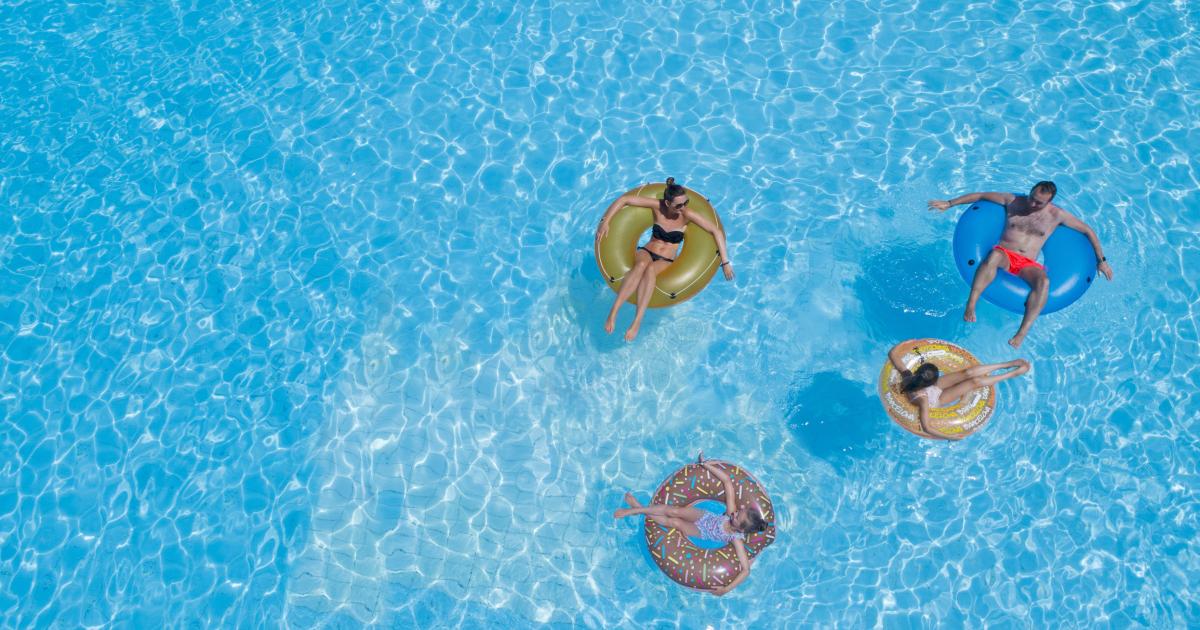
(942, 205)
(1074, 223)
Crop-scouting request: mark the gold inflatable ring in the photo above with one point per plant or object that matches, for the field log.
(961, 419)
(693, 267)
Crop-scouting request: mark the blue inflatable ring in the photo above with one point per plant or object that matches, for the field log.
(1068, 257)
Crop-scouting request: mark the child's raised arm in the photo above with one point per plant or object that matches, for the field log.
(730, 499)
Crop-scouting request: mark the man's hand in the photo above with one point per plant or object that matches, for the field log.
(1105, 269)
(941, 205)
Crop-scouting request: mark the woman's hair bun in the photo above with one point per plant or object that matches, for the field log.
(670, 181)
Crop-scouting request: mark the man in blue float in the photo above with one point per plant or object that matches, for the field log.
(1028, 222)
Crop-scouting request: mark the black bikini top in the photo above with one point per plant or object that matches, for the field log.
(674, 236)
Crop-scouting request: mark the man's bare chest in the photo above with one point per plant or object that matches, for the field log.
(1035, 224)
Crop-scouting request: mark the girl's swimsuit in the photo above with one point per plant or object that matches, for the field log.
(674, 236)
(658, 233)
(655, 257)
(712, 527)
(932, 395)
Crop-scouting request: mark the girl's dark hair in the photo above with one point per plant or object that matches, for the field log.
(926, 375)
(673, 190)
(755, 522)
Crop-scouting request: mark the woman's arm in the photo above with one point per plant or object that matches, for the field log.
(927, 422)
(923, 415)
(621, 202)
(730, 499)
(745, 561)
(897, 359)
(718, 235)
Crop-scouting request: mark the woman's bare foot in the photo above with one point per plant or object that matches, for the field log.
(1016, 340)
(632, 500)
(610, 323)
(969, 313)
(632, 333)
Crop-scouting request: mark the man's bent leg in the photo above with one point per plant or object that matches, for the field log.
(983, 277)
(1039, 290)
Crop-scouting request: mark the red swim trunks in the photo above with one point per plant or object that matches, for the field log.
(1017, 262)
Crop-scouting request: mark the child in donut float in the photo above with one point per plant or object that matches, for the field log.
(738, 522)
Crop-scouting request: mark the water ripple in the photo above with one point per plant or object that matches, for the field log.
(300, 324)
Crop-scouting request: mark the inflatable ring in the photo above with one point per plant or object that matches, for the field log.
(961, 419)
(695, 265)
(1068, 256)
(680, 558)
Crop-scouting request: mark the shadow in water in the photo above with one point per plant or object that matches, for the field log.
(590, 300)
(913, 290)
(835, 420)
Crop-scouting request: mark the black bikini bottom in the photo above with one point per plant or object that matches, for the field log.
(655, 257)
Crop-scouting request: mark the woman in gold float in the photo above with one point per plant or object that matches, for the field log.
(671, 218)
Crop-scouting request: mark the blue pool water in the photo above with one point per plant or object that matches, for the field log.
(301, 327)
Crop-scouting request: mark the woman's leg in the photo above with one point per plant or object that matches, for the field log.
(629, 284)
(988, 368)
(645, 292)
(950, 379)
(981, 380)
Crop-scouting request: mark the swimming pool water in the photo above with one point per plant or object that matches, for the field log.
(300, 323)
